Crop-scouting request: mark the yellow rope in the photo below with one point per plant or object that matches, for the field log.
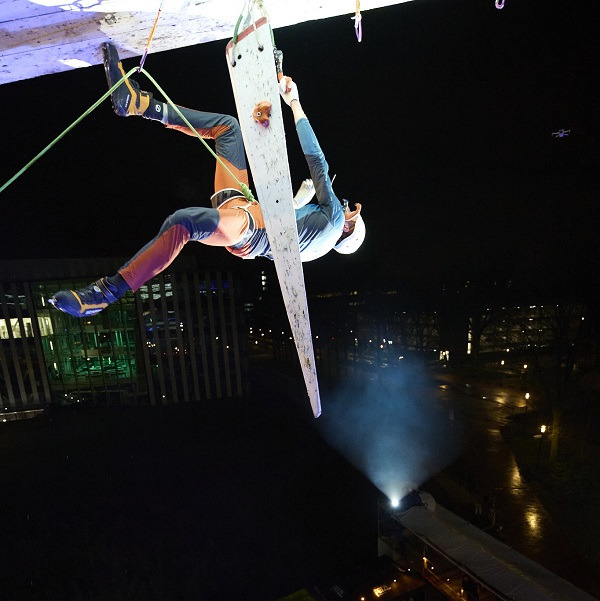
(150, 39)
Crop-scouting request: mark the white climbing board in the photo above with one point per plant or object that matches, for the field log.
(254, 79)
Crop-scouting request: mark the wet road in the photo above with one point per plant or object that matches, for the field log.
(511, 508)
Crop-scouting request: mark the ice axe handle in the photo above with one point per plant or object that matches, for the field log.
(278, 63)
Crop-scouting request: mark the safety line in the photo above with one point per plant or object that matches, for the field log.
(246, 10)
(60, 136)
(243, 187)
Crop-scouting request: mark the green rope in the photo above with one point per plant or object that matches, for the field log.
(262, 9)
(64, 133)
(243, 187)
(237, 26)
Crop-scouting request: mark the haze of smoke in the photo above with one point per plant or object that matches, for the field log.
(390, 430)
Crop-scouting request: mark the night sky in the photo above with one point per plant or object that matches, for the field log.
(439, 122)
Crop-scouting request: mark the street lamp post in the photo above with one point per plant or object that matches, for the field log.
(541, 437)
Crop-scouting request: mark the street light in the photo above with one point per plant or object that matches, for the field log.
(541, 437)
(525, 418)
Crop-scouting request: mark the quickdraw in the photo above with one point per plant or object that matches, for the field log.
(150, 39)
(357, 18)
(246, 18)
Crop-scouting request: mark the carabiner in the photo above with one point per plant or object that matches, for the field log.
(357, 18)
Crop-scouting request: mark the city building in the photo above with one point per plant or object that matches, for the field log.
(177, 340)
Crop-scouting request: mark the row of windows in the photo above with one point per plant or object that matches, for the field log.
(175, 340)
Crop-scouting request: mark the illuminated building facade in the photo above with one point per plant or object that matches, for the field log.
(176, 340)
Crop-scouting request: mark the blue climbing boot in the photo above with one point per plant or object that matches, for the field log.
(85, 301)
(127, 99)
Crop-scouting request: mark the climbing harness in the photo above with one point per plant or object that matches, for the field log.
(243, 187)
(357, 18)
(150, 39)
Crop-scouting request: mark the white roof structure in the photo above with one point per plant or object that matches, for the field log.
(498, 567)
(40, 37)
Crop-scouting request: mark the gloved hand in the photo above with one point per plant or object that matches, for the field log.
(305, 194)
(288, 90)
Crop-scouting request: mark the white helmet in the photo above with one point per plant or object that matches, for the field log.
(349, 242)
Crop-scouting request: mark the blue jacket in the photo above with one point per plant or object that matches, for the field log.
(319, 225)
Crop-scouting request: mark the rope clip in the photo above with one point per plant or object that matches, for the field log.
(357, 18)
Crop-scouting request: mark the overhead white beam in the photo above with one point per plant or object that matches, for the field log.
(41, 37)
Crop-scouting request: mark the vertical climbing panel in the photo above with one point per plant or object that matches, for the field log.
(254, 79)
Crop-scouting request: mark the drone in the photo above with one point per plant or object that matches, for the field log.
(561, 133)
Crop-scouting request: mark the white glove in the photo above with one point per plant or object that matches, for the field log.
(288, 90)
(305, 194)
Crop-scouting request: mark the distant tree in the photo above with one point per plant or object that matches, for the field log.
(468, 311)
(551, 337)
(416, 330)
